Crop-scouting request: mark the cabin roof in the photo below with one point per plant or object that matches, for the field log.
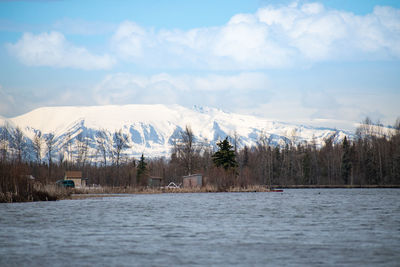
(73, 174)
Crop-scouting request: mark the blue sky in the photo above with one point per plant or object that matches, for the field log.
(326, 63)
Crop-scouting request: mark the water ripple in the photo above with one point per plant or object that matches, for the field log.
(297, 228)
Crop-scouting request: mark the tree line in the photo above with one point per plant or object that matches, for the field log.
(371, 158)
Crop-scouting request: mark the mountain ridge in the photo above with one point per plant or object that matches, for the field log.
(150, 128)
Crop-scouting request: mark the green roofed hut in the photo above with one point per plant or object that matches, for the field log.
(76, 177)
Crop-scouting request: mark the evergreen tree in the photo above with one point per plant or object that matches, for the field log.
(141, 170)
(225, 156)
(346, 161)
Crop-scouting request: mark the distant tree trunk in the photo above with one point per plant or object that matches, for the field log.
(82, 145)
(186, 149)
(346, 167)
(50, 142)
(37, 146)
(271, 167)
(307, 168)
(101, 140)
(121, 143)
(141, 172)
(19, 143)
(5, 139)
(235, 139)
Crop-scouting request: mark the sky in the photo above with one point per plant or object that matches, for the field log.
(324, 63)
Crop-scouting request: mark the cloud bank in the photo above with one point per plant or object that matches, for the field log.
(273, 37)
(123, 88)
(53, 50)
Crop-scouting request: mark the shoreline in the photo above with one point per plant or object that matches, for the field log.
(121, 192)
(53, 194)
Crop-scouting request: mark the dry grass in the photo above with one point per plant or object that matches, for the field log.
(53, 192)
(147, 190)
(37, 192)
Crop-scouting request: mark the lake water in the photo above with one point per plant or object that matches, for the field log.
(303, 227)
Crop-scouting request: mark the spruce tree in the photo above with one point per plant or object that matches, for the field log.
(225, 156)
(141, 170)
(346, 161)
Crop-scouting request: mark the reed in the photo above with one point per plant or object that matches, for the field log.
(34, 192)
(150, 190)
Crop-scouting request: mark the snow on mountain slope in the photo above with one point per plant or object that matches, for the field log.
(151, 128)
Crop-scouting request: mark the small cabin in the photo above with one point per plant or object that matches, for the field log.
(76, 177)
(194, 180)
(154, 181)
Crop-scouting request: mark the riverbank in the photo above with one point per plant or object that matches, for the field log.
(211, 189)
(126, 191)
(122, 191)
(35, 192)
(53, 193)
(146, 190)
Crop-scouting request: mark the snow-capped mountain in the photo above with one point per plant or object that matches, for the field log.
(151, 129)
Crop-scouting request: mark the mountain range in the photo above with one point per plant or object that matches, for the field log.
(151, 129)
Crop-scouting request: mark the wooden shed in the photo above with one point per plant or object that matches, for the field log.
(193, 180)
(75, 176)
(154, 181)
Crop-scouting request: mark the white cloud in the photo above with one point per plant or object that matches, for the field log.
(328, 109)
(319, 100)
(52, 49)
(130, 38)
(273, 37)
(123, 88)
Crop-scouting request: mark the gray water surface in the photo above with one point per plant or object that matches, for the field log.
(299, 227)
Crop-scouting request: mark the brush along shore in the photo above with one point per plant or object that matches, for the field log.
(211, 189)
(53, 192)
(125, 191)
(35, 192)
(147, 190)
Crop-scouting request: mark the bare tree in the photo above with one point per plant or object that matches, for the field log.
(397, 125)
(5, 137)
(329, 155)
(61, 157)
(37, 146)
(102, 145)
(264, 146)
(187, 149)
(235, 140)
(293, 137)
(366, 130)
(120, 144)
(19, 143)
(50, 142)
(82, 145)
(68, 145)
